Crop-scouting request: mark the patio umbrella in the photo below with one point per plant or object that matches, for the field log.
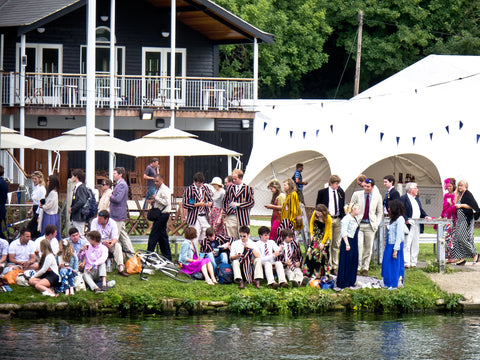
(174, 142)
(75, 140)
(11, 138)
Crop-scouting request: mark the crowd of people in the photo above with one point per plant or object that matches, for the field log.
(217, 236)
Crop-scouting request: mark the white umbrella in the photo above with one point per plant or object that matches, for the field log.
(174, 142)
(12, 139)
(75, 140)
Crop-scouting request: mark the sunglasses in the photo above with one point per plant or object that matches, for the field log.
(368, 181)
(243, 236)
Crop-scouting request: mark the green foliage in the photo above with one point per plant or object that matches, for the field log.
(300, 30)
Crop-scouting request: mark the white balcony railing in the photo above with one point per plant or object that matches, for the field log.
(69, 91)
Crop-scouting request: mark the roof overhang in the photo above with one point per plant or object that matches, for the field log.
(204, 16)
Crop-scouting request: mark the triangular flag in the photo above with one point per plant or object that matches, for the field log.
(398, 139)
(366, 128)
(264, 125)
(431, 136)
(276, 132)
(460, 125)
(478, 137)
(316, 133)
(291, 133)
(447, 128)
(381, 136)
(413, 140)
(331, 128)
(304, 133)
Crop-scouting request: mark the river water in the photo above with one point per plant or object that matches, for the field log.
(332, 336)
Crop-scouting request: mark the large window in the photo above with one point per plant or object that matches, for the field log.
(102, 54)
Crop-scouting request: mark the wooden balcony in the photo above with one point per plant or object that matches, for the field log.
(68, 91)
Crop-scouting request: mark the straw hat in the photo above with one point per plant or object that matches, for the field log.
(217, 181)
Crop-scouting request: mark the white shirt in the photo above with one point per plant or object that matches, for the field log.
(238, 246)
(415, 207)
(22, 252)
(272, 247)
(331, 201)
(3, 247)
(163, 199)
(53, 245)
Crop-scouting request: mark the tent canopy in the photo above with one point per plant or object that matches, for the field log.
(12, 139)
(174, 142)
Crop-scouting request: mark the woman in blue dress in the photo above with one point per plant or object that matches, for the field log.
(393, 270)
(348, 259)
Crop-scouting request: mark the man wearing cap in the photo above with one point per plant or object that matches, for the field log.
(108, 230)
(197, 199)
(369, 218)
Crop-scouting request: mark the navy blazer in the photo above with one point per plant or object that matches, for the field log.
(392, 195)
(409, 210)
(323, 198)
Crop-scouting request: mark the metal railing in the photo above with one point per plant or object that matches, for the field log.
(70, 90)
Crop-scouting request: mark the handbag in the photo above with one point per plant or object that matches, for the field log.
(153, 214)
(134, 264)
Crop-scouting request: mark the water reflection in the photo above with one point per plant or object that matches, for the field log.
(338, 336)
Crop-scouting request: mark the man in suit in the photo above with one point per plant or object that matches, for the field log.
(370, 216)
(237, 203)
(333, 197)
(392, 193)
(197, 199)
(413, 210)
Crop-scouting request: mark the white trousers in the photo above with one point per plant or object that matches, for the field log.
(410, 250)
(294, 275)
(365, 246)
(257, 272)
(201, 225)
(268, 269)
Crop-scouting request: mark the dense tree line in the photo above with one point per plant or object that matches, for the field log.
(315, 41)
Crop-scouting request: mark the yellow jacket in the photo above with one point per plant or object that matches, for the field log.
(291, 209)
(328, 228)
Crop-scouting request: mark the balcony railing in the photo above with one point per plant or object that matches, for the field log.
(70, 91)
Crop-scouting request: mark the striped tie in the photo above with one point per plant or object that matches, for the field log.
(289, 257)
(266, 250)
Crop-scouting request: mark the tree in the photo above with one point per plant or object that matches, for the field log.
(300, 30)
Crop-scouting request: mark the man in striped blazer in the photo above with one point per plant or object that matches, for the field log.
(237, 203)
(197, 199)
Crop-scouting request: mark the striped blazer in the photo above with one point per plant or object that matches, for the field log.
(245, 198)
(191, 196)
(296, 256)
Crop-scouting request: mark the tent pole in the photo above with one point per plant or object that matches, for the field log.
(90, 121)
(173, 36)
(22, 101)
(112, 83)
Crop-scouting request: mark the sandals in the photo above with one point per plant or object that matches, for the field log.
(461, 262)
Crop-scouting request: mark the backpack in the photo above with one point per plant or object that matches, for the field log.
(224, 273)
(89, 209)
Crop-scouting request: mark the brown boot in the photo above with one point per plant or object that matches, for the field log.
(365, 272)
(257, 284)
(241, 284)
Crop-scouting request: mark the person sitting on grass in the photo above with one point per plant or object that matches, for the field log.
(108, 229)
(269, 251)
(47, 276)
(21, 252)
(190, 261)
(214, 247)
(246, 262)
(292, 258)
(68, 264)
(77, 241)
(93, 257)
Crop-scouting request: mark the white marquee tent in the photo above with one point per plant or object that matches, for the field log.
(421, 121)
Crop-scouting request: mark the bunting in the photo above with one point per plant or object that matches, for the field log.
(460, 125)
(398, 139)
(331, 128)
(413, 140)
(291, 134)
(264, 125)
(381, 136)
(366, 128)
(448, 129)
(304, 134)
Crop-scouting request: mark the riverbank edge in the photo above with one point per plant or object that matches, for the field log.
(365, 300)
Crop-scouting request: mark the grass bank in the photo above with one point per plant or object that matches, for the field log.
(161, 295)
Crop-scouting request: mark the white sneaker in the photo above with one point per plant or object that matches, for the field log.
(47, 293)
